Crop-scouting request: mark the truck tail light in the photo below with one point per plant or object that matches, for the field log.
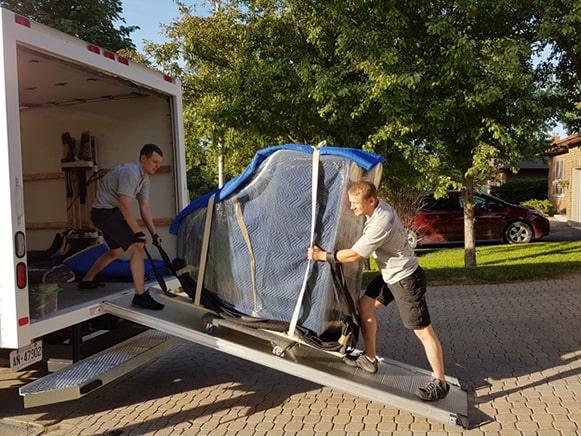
(21, 275)
(23, 21)
(168, 78)
(94, 49)
(123, 60)
(109, 55)
(19, 245)
(23, 321)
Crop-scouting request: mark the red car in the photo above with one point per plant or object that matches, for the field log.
(442, 220)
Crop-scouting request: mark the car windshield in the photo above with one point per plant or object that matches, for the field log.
(480, 202)
(428, 202)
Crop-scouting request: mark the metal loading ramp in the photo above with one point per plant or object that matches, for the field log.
(393, 385)
(91, 373)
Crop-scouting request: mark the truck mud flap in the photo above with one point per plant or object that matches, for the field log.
(91, 373)
(393, 385)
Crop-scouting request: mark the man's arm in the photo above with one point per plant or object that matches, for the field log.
(146, 216)
(125, 208)
(346, 255)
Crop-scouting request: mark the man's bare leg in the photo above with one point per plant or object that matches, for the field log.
(136, 263)
(367, 306)
(433, 350)
(101, 263)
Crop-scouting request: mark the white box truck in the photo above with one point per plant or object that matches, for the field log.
(52, 83)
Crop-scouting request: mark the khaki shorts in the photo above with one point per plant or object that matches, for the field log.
(409, 295)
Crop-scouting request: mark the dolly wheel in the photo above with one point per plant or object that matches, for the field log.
(277, 350)
(209, 327)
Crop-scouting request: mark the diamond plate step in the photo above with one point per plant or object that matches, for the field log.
(93, 372)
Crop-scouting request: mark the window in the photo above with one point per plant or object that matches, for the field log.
(559, 176)
(479, 202)
(441, 204)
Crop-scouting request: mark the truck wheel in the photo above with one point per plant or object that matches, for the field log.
(518, 232)
(413, 239)
(209, 327)
(277, 350)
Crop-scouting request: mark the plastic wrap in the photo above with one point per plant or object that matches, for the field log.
(260, 234)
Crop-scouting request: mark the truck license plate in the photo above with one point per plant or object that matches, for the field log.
(26, 356)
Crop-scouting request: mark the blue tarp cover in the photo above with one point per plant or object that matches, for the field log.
(364, 159)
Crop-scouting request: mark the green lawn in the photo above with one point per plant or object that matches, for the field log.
(500, 263)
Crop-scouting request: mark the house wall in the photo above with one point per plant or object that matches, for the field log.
(574, 195)
(571, 160)
(559, 200)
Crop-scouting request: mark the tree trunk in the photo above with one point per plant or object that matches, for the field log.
(469, 214)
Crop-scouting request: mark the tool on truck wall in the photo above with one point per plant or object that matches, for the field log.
(76, 161)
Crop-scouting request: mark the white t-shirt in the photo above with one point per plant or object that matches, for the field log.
(385, 238)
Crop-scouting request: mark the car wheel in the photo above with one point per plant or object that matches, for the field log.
(413, 239)
(518, 232)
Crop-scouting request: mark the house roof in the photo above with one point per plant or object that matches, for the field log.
(529, 165)
(562, 146)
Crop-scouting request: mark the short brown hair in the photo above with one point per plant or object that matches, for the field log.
(363, 188)
(148, 149)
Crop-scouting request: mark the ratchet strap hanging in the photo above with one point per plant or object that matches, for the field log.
(314, 189)
(204, 252)
(246, 236)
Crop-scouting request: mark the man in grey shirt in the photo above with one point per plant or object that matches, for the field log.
(113, 215)
(401, 279)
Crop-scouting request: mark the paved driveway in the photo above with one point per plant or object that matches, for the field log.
(517, 347)
(560, 231)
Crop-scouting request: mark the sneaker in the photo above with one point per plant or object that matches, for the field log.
(90, 284)
(363, 362)
(433, 391)
(146, 301)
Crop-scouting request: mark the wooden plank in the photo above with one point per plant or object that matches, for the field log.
(43, 176)
(158, 221)
(57, 225)
(34, 177)
(49, 225)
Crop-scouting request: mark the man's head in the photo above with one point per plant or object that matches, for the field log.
(363, 198)
(150, 158)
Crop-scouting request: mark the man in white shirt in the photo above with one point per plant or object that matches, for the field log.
(401, 279)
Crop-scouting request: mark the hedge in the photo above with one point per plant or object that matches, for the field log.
(519, 190)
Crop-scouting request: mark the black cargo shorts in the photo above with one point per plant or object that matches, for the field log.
(409, 295)
(116, 231)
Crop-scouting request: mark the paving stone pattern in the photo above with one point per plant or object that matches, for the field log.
(517, 348)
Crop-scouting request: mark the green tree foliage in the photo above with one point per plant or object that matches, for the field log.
(453, 82)
(560, 34)
(446, 90)
(90, 20)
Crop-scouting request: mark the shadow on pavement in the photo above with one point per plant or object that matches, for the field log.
(505, 342)
(224, 383)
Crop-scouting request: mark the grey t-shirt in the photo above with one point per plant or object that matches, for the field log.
(126, 179)
(385, 238)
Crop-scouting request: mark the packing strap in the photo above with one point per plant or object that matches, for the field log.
(314, 190)
(246, 236)
(204, 252)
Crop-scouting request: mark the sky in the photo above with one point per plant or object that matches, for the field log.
(150, 14)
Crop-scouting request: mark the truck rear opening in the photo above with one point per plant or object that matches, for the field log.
(56, 97)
